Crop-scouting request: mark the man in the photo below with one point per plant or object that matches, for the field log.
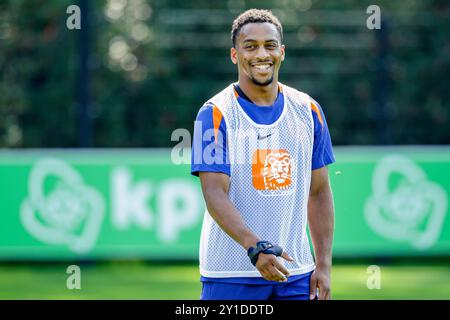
(261, 150)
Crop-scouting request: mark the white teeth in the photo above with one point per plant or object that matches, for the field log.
(262, 66)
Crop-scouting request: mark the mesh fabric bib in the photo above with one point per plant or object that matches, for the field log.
(269, 185)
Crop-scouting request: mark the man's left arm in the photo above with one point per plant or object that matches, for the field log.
(321, 227)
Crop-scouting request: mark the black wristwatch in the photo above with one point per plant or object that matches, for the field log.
(264, 247)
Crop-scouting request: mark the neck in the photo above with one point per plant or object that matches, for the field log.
(260, 95)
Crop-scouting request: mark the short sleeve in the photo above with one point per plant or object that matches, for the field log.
(209, 143)
(322, 150)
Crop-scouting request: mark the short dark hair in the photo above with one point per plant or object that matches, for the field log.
(254, 16)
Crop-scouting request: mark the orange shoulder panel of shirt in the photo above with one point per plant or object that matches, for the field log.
(217, 119)
(317, 111)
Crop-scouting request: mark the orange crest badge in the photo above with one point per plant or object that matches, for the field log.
(271, 169)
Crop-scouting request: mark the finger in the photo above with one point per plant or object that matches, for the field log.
(322, 292)
(267, 263)
(280, 267)
(287, 257)
(262, 265)
(276, 275)
(271, 275)
(264, 274)
(262, 271)
(326, 293)
(312, 287)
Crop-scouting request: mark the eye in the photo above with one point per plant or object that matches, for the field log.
(271, 160)
(286, 161)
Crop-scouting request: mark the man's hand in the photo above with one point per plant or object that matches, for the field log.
(320, 279)
(271, 269)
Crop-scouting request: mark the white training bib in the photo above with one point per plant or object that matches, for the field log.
(269, 185)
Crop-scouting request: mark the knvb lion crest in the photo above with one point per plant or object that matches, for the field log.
(271, 169)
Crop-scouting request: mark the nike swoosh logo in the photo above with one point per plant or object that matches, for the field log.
(264, 137)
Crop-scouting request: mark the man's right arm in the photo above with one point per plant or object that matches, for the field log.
(215, 191)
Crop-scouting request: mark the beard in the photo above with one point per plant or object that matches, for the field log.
(262, 83)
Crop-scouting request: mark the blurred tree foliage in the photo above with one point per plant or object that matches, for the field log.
(154, 63)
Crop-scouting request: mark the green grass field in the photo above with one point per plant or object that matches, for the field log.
(143, 280)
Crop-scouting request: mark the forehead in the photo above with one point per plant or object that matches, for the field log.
(260, 31)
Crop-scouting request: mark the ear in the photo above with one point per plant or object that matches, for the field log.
(233, 55)
(282, 52)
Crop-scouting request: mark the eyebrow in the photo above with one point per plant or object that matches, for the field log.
(254, 40)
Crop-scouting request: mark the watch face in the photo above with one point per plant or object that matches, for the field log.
(266, 246)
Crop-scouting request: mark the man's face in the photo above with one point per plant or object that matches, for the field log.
(258, 53)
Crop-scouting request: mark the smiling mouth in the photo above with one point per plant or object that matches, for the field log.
(262, 67)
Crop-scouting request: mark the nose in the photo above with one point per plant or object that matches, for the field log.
(262, 53)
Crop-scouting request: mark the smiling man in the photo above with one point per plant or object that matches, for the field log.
(261, 150)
